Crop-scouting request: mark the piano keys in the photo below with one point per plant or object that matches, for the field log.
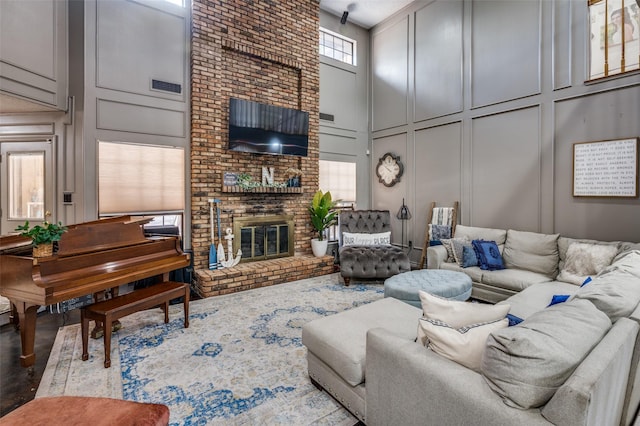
(91, 257)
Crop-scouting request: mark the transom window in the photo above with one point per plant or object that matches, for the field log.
(336, 46)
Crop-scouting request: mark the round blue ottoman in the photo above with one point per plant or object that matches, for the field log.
(448, 284)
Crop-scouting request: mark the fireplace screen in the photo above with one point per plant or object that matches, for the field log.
(264, 237)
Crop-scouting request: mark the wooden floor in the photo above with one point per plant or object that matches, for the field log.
(18, 385)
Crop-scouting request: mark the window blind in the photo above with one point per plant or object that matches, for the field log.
(136, 178)
(339, 178)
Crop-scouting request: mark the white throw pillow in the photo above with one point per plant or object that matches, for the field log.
(464, 345)
(353, 239)
(459, 314)
(584, 260)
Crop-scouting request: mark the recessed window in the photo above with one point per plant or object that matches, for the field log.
(138, 179)
(338, 47)
(340, 178)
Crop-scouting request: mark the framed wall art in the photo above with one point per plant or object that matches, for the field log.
(606, 168)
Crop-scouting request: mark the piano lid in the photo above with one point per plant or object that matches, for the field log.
(101, 235)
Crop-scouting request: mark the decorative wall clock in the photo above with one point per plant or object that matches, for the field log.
(389, 169)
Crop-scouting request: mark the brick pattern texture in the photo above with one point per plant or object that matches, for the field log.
(264, 51)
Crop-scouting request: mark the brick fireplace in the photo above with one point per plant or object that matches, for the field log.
(263, 51)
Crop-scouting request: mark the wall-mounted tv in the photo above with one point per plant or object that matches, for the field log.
(267, 129)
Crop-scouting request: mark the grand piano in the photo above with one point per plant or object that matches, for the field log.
(91, 257)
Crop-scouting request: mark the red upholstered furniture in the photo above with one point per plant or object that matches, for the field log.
(81, 410)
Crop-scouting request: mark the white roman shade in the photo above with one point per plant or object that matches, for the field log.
(136, 178)
(339, 178)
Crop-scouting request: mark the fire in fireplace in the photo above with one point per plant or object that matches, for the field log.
(263, 237)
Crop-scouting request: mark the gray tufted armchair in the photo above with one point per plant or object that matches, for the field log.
(369, 261)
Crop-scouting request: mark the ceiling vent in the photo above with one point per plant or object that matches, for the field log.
(327, 117)
(165, 86)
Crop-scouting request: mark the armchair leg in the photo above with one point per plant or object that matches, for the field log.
(346, 281)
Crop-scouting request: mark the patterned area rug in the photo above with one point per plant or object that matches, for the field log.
(240, 362)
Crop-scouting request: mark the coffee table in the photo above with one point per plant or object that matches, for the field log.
(448, 284)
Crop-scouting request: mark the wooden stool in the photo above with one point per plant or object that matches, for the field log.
(110, 310)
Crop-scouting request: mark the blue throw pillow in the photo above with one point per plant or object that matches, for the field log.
(558, 298)
(587, 281)
(469, 257)
(489, 257)
(513, 320)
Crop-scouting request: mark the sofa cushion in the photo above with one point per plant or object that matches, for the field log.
(476, 233)
(343, 347)
(459, 314)
(532, 251)
(464, 345)
(488, 254)
(584, 260)
(474, 272)
(536, 297)
(616, 293)
(513, 279)
(527, 363)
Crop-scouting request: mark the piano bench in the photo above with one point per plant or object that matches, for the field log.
(110, 310)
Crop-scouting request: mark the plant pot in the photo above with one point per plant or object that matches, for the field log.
(43, 250)
(319, 248)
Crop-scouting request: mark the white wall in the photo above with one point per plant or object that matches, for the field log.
(344, 94)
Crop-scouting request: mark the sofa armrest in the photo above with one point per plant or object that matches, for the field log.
(409, 384)
(436, 255)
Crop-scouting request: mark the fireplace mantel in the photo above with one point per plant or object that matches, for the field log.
(262, 189)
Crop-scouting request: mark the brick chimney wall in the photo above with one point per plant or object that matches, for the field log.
(264, 51)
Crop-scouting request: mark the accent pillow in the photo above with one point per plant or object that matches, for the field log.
(527, 363)
(458, 246)
(464, 345)
(488, 254)
(513, 320)
(438, 232)
(448, 244)
(353, 239)
(558, 298)
(459, 314)
(469, 257)
(584, 259)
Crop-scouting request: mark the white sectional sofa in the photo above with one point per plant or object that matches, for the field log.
(369, 360)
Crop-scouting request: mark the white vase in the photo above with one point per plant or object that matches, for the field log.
(319, 248)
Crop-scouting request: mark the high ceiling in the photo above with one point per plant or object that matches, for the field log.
(365, 13)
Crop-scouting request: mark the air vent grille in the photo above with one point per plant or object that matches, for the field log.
(327, 117)
(165, 86)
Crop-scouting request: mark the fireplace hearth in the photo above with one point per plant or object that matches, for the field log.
(264, 237)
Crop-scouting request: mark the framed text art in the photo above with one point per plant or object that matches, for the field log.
(614, 34)
(606, 168)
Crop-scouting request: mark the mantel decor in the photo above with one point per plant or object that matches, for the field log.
(606, 168)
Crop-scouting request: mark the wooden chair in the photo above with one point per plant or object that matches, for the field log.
(444, 219)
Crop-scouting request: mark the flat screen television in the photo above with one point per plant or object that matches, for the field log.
(267, 129)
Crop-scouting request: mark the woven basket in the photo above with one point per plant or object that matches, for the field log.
(43, 250)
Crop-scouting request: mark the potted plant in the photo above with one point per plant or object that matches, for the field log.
(323, 216)
(42, 236)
